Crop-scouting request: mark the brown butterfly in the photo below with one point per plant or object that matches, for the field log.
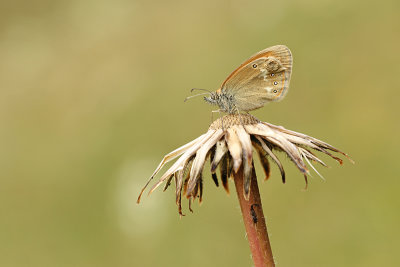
(263, 78)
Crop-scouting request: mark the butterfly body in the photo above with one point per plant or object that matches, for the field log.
(262, 78)
(223, 100)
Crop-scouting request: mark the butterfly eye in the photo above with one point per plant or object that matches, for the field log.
(254, 65)
(275, 83)
(275, 91)
(272, 74)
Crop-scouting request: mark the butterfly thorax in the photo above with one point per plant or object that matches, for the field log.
(223, 100)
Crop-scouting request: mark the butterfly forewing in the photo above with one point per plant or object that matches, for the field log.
(262, 78)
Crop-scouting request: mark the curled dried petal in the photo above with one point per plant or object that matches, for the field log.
(307, 153)
(264, 161)
(259, 142)
(273, 137)
(220, 150)
(313, 140)
(200, 190)
(200, 158)
(170, 156)
(224, 170)
(168, 183)
(178, 165)
(234, 147)
(183, 176)
(247, 149)
(215, 178)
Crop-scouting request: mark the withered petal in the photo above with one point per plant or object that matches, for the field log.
(234, 147)
(311, 165)
(305, 178)
(215, 178)
(178, 194)
(194, 192)
(247, 175)
(170, 156)
(275, 138)
(168, 183)
(230, 166)
(185, 185)
(190, 205)
(313, 140)
(264, 160)
(224, 170)
(220, 150)
(183, 175)
(307, 153)
(247, 149)
(201, 190)
(272, 155)
(200, 158)
(212, 157)
(181, 161)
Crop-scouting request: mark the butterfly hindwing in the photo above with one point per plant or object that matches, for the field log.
(262, 78)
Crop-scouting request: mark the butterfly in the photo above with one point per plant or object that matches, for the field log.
(262, 78)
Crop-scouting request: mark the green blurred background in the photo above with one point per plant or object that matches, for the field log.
(91, 98)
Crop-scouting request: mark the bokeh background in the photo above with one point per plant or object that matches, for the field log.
(91, 98)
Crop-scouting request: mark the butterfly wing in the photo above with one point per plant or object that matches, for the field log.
(264, 77)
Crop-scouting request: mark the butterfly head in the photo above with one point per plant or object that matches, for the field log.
(223, 100)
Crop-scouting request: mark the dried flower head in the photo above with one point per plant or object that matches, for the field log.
(229, 144)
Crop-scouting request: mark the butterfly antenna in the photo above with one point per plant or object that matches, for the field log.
(199, 89)
(189, 97)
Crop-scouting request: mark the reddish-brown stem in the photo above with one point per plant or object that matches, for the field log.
(254, 221)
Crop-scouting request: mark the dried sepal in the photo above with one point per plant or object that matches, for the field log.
(200, 190)
(224, 171)
(212, 157)
(194, 192)
(211, 153)
(178, 191)
(247, 171)
(180, 204)
(230, 167)
(259, 142)
(306, 180)
(190, 205)
(183, 176)
(264, 160)
(220, 151)
(215, 178)
(168, 183)
(185, 186)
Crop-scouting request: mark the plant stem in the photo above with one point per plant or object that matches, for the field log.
(254, 221)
